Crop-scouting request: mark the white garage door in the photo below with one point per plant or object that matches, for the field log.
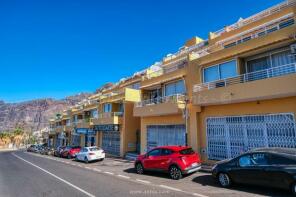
(228, 137)
(163, 135)
(111, 142)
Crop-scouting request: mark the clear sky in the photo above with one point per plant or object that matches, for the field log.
(56, 48)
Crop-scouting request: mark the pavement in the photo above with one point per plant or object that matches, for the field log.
(25, 174)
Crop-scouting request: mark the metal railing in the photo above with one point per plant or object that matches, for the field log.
(247, 35)
(272, 10)
(176, 98)
(258, 31)
(165, 70)
(107, 115)
(248, 77)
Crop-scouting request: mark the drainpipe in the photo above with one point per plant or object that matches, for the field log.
(186, 112)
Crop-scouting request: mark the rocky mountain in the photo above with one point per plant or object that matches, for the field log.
(34, 114)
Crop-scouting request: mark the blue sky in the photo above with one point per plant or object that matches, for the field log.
(56, 48)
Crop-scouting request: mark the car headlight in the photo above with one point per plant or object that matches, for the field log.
(214, 167)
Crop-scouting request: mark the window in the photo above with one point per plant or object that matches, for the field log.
(258, 64)
(187, 151)
(273, 59)
(282, 160)
(245, 161)
(155, 152)
(135, 86)
(177, 87)
(107, 107)
(165, 152)
(94, 113)
(220, 71)
(259, 159)
(121, 107)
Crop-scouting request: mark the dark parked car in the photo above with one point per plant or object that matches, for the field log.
(58, 150)
(70, 151)
(275, 167)
(31, 148)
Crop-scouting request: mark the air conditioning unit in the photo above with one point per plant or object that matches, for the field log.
(293, 48)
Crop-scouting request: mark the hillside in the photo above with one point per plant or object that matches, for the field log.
(34, 114)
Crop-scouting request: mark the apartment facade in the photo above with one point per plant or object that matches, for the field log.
(245, 85)
(222, 96)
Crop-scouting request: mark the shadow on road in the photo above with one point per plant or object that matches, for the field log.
(207, 180)
(149, 173)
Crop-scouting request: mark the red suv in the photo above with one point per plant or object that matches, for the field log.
(176, 160)
(70, 151)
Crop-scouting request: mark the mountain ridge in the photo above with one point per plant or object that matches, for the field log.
(34, 114)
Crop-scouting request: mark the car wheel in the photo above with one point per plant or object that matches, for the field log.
(175, 173)
(293, 188)
(139, 168)
(85, 159)
(69, 156)
(224, 180)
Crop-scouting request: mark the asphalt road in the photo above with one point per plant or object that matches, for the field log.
(24, 175)
(28, 175)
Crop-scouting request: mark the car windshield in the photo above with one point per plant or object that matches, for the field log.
(94, 149)
(187, 151)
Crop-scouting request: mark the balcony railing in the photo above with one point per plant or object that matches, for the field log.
(176, 98)
(107, 115)
(248, 77)
(272, 10)
(165, 70)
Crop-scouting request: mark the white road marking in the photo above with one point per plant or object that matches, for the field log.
(143, 181)
(138, 180)
(200, 195)
(111, 173)
(55, 176)
(122, 176)
(88, 168)
(171, 188)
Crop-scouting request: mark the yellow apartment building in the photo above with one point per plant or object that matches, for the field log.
(225, 95)
(116, 127)
(164, 104)
(245, 85)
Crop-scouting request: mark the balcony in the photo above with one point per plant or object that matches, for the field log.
(59, 129)
(127, 94)
(52, 131)
(168, 105)
(164, 74)
(266, 34)
(270, 83)
(107, 118)
(82, 123)
(263, 14)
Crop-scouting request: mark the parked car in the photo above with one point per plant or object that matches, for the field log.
(176, 160)
(275, 167)
(70, 151)
(47, 151)
(58, 150)
(92, 153)
(31, 148)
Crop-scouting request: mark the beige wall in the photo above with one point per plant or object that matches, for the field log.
(130, 126)
(284, 105)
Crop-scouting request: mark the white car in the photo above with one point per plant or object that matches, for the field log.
(92, 153)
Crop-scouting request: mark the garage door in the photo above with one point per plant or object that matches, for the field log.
(228, 137)
(111, 142)
(163, 135)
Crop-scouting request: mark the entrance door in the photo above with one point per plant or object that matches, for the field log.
(163, 135)
(111, 142)
(228, 137)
